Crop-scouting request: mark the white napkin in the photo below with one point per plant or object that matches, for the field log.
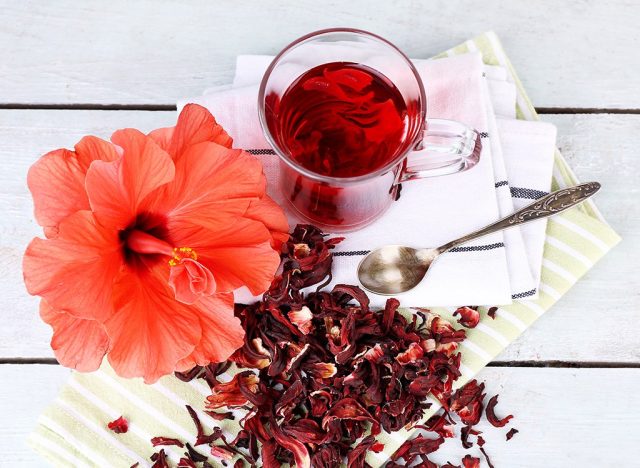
(522, 281)
(430, 212)
(529, 149)
(535, 143)
(503, 96)
(502, 102)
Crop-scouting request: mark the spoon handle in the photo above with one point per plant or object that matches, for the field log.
(544, 207)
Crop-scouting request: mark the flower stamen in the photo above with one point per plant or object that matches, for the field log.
(182, 252)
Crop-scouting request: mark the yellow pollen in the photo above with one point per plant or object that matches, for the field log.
(182, 252)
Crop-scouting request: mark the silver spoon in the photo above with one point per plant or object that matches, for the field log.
(394, 269)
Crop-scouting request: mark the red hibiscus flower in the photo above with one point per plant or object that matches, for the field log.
(147, 238)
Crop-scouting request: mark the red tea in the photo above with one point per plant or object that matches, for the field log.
(341, 119)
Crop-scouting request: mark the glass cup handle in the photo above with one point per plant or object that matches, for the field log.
(446, 148)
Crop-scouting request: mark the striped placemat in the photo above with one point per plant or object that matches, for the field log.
(72, 431)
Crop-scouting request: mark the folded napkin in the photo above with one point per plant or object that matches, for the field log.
(430, 212)
(529, 151)
(524, 275)
(71, 432)
(442, 100)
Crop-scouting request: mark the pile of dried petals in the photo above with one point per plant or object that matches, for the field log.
(322, 374)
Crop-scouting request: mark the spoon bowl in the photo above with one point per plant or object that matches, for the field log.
(394, 269)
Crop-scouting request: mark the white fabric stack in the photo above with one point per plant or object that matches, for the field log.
(515, 168)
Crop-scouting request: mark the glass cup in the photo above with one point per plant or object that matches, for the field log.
(430, 147)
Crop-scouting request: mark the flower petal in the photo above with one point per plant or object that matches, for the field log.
(74, 272)
(272, 216)
(77, 343)
(149, 331)
(56, 181)
(212, 184)
(222, 333)
(191, 280)
(240, 254)
(91, 148)
(162, 136)
(117, 189)
(196, 125)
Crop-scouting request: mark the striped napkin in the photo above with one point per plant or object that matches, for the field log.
(72, 431)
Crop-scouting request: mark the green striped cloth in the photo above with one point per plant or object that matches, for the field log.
(72, 431)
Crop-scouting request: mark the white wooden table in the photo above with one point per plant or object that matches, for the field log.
(75, 67)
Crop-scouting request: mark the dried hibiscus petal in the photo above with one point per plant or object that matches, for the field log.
(417, 447)
(194, 454)
(306, 431)
(221, 452)
(302, 319)
(308, 259)
(492, 312)
(444, 332)
(268, 454)
(119, 426)
(491, 415)
(513, 431)
(468, 317)
(470, 462)
(327, 456)
(230, 394)
(412, 354)
(252, 354)
(290, 398)
(321, 370)
(423, 385)
(440, 424)
(467, 402)
(486, 457)
(155, 441)
(297, 448)
(201, 437)
(348, 408)
(465, 432)
(186, 463)
(159, 460)
(356, 457)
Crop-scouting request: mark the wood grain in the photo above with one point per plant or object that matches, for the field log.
(569, 54)
(596, 321)
(26, 391)
(566, 417)
(560, 413)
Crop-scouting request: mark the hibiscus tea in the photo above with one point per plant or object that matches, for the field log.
(340, 120)
(345, 110)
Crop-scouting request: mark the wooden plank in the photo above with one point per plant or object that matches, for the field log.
(569, 54)
(26, 391)
(566, 417)
(594, 322)
(580, 417)
(25, 136)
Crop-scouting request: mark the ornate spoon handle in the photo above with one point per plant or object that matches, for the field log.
(543, 207)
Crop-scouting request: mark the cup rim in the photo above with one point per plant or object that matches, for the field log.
(301, 169)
